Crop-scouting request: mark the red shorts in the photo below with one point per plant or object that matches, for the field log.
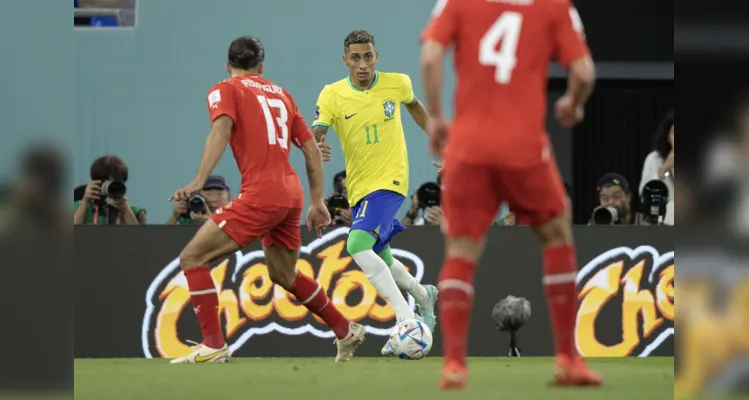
(472, 195)
(244, 222)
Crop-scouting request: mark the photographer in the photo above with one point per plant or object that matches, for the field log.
(426, 201)
(614, 197)
(104, 201)
(659, 164)
(198, 208)
(338, 205)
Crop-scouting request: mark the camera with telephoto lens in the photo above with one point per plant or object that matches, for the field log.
(607, 215)
(336, 203)
(429, 195)
(196, 203)
(114, 190)
(653, 202)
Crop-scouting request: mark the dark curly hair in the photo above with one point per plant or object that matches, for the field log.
(660, 139)
(358, 37)
(109, 167)
(246, 52)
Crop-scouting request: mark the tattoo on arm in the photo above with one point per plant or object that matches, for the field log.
(320, 132)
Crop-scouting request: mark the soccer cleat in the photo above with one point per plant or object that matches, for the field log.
(574, 372)
(426, 311)
(454, 376)
(347, 346)
(204, 355)
(387, 350)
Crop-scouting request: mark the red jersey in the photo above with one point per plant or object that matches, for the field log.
(503, 49)
(266, 122)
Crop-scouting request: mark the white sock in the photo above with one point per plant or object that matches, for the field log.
(378, 274)
(408, 282)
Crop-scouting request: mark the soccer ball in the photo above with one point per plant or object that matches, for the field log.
(411, 340)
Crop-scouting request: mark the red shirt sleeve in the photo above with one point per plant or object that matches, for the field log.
(443, 27)
(221, 101)
(569, 34)
(300, 132)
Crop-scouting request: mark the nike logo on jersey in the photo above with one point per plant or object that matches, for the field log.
(349, 116)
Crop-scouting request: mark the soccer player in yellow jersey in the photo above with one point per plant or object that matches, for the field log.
(364, 111)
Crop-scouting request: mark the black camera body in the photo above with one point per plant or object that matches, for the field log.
(653, 201)
(336, 203)
(429, 195)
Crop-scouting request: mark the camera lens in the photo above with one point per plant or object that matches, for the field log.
(113, 189)
(196, 204)
(605, 215)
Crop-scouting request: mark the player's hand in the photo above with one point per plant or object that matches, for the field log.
(187, 191)
(440, 166)
(93, 191)
(318, 217)
(434, 215)
(568, 112)
(437, 130)
(324, 149)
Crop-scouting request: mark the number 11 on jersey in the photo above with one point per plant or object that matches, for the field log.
(507, 30)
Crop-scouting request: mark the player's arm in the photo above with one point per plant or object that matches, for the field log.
(438, 35)
(303, 138)
(222, 109)
(215, 144)
(413, 105)
(573, 54)
(324, 114)
(432, 71)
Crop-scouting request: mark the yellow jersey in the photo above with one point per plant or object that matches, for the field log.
(368, 124)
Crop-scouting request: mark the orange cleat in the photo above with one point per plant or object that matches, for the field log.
(574, 372)
(454, 376)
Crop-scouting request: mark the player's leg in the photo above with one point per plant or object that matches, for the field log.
(209, 243)
(281, 247)
(468, 209)
(372, 226)
(539, 200)
(425, 295)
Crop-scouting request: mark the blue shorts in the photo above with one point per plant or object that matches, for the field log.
(376, 213)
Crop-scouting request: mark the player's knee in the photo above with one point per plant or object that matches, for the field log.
(557, 231)
(465, 248)
(358, 241)
(283, 277)
(189, 259)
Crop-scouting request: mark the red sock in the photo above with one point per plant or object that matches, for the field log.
(205, 305)
(455, 304)
(560, 270)
(309, 293)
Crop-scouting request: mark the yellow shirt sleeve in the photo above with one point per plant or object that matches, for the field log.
(324, 115)
(407, 90)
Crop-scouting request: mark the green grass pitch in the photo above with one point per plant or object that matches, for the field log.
(362, 379)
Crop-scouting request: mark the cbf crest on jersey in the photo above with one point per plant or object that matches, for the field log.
(389, 106)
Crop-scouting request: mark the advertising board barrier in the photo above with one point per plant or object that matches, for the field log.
(132, 299)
